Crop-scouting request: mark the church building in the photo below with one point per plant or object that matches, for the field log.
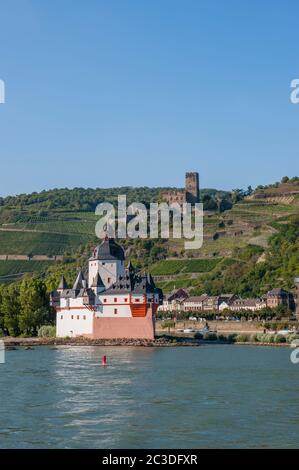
(111, 302)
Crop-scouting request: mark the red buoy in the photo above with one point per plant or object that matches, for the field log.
(104, 361)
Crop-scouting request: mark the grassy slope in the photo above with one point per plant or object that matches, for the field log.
(25, 243)
(7, 268)
(166, 267)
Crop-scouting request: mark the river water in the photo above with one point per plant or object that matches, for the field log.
(212, 396)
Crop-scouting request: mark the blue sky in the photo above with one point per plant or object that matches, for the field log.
(132, 92)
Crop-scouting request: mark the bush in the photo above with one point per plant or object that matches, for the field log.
(211, 337)
(222, 338)
(47, 331)
(254, 338)
(265, 338)
(280, 339)
(242, 338)
(291, 337)
(198, 336)
(231, 338)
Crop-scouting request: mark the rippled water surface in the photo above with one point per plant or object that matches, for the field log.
(211, 396)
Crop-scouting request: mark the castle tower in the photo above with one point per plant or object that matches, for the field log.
(108, 261)
(192, 187)
(296, 281)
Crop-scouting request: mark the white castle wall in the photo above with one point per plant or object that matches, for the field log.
(109, 303)
(77, 302)
(74, 322)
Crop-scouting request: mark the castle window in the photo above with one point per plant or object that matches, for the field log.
(125, 300)
(61, 317)
(115, 299)
(78, 317)
(137, 300)
(72, 317)
(115, 311)
(84, 317)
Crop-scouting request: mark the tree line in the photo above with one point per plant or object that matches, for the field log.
(25, 307)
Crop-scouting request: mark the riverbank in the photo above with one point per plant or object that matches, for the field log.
(165, 341)
(81, 341)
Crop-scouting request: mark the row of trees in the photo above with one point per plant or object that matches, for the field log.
(284, 180)
(86, 199)
(24, 307)
(220, 201)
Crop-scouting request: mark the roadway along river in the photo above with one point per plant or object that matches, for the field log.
(205, 397)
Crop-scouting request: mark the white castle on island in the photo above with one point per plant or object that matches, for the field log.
(112, 301)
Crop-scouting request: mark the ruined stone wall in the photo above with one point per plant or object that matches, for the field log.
(178, 196)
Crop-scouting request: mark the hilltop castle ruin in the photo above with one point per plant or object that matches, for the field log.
(189, 194)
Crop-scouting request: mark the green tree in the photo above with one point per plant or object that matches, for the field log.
(1, 311)
(10, 307)
(35, 309)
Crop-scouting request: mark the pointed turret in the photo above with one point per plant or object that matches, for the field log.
(130, 267)
(62, 285)
(97, 281)
(150, 280)
(97, 284)
(80, 282)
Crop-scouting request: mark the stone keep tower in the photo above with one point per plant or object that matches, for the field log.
(296, 281)
(192, 187)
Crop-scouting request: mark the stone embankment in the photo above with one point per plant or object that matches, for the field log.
(165, 341)
(81, 341)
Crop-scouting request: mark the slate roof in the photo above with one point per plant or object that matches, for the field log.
(73, 294)
(246, 302)
(80, 281)
(97, 282)
(177, 294)
(133, 283)
(108, 250)
(79, 289)
(196, 298)
(63, 284)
